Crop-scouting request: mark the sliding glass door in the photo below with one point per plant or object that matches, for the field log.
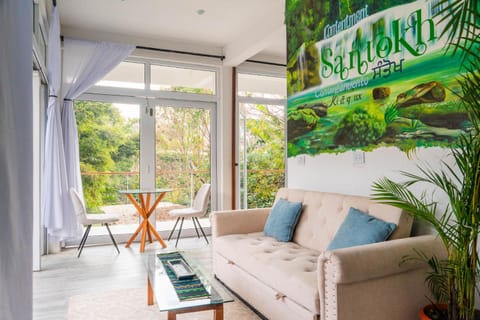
(261, 153)
(183, 152)
(109, 143)
(261, 139)
(147, 125)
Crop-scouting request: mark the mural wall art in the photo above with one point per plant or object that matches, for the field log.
(367, 74)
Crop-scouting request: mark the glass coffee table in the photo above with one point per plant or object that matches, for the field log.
(160, 288)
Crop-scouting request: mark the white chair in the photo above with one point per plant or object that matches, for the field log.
(199, 209)
(87, 219)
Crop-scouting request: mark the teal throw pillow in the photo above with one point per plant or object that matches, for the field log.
(282, 220)
(360, 228)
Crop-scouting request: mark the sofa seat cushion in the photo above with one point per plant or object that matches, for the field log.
(284, 266)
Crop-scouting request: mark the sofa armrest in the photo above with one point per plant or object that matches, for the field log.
(238, 221)
(380, 259)
(371, 282)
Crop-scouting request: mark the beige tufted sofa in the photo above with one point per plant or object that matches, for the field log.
(301, 280)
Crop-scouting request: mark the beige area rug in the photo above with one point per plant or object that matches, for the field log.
(131, 304)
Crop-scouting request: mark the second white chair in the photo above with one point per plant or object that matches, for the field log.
(199, 209)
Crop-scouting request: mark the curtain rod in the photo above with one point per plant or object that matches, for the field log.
(202, 55)
(183, 52)
(206, 55)
(265, 62)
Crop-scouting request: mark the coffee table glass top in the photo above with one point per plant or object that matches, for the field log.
(164, 292)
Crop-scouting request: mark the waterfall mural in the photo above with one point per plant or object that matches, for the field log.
(365, 74)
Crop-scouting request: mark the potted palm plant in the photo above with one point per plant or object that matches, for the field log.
(453, 281)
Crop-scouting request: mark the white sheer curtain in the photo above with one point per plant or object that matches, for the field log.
(57, 210)
(84, 63)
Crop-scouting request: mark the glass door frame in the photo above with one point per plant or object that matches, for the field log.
(147, 99)
(239, 123)
(252, 100)
(149, 149)
(147, 134)
(121, 99)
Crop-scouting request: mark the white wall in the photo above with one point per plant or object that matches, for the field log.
(338, 173)
(16, 162)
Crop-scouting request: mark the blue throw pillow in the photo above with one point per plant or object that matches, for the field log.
(282, 220)
(360, 228)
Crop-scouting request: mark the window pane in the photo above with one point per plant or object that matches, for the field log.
(125, 75)
(182, 80)
(109, 143)
(182, 153)
(262, 153)
(251, 85)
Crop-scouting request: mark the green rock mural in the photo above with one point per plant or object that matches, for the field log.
(366, 74)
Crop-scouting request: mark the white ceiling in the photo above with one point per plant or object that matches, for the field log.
(238, 29)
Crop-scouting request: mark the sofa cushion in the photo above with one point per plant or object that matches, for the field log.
(284, 266)
(359, 228)
(282, 220)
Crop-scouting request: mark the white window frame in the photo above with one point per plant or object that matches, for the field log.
(277, 72)
(147, 99)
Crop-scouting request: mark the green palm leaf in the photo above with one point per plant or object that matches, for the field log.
(462, 26)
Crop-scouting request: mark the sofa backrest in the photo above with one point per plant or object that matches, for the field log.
(324, 212)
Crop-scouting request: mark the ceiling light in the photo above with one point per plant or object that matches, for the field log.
(200, 12)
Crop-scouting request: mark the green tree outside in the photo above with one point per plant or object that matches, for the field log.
(109, 152)
(108, 143)
(182, 151)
